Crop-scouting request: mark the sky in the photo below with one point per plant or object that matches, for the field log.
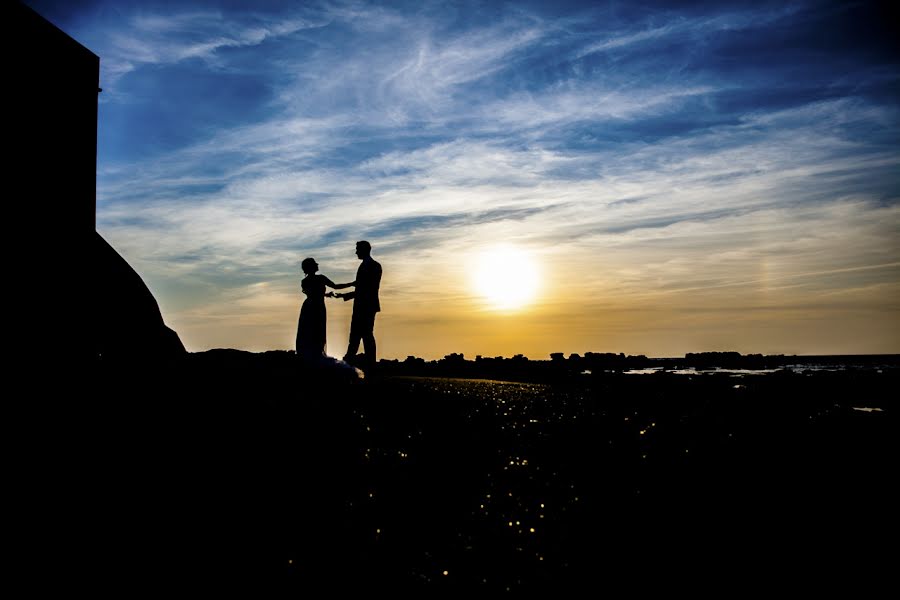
(676, 176)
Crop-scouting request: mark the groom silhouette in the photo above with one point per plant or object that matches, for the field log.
(365, 305)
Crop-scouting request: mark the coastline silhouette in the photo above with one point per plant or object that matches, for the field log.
(365, 307)
(300, 481)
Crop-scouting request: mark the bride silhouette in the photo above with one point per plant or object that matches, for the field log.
(313, 317)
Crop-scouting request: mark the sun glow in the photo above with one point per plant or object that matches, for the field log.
(506, 277)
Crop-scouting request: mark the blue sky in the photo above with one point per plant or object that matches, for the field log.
(686, 176)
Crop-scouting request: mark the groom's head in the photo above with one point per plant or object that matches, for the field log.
(363, 249)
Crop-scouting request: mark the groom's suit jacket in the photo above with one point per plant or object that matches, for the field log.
(368, 280)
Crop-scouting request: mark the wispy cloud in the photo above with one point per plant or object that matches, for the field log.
(154, 39)
(676, 25)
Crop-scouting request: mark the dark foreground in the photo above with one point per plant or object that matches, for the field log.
(208, 477)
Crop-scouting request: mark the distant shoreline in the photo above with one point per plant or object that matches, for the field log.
(802, 357)
(575, 369)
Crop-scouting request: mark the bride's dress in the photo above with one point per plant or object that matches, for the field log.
(311, 330)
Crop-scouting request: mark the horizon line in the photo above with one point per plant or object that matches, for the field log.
(580, 355)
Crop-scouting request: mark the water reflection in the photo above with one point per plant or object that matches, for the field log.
(505, 485)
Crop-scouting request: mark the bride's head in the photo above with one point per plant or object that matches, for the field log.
(309, 266)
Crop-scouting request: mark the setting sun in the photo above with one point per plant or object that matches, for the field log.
(506, 277)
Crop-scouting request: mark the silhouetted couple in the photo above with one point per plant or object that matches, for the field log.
(311, 326)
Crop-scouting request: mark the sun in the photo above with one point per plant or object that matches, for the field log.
(506, 277)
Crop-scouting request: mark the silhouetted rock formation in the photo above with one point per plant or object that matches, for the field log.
(127, 319)
(72, 290)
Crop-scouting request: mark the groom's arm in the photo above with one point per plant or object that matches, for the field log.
(347, 295)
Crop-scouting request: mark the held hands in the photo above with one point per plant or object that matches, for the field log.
(338, 294)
